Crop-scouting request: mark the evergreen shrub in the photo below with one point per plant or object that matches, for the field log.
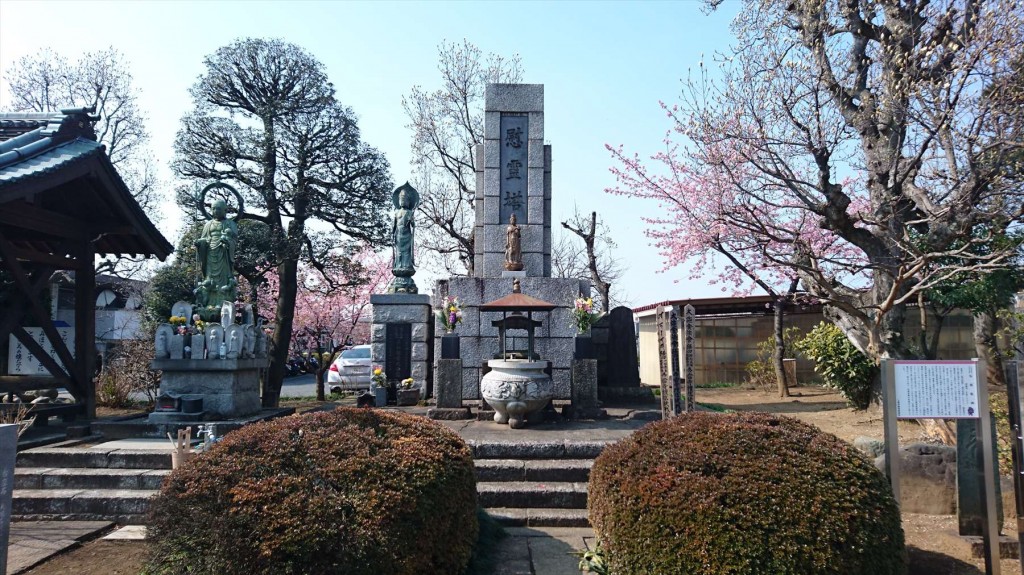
(841, 365)
(354, 491)
(743, 493)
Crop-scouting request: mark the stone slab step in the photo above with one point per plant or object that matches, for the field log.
(88, 478)
(511, 449)
(572, 470)
(539, 517)
(80, 504)
(532, 494)
(94, 457)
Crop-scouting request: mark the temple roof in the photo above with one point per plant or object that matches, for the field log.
(58, 188)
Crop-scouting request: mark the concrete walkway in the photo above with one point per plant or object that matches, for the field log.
(33, 542)
(524, 551)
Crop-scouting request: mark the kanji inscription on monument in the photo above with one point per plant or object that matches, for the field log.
(513, 156)
(936, 389)
(398, 351)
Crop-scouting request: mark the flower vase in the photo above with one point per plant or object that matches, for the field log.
(380, 395)
(584, 346)
(450, 346)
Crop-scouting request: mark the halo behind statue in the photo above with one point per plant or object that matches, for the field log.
(411, 191)
(220, 191)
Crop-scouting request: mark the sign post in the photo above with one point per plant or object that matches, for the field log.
(942, 390)
(1016, 408)
(8, 452)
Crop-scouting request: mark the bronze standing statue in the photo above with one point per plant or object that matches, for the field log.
(405, 199)
(216, 248)
(513, 246)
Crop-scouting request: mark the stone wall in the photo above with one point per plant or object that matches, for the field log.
(479, 339)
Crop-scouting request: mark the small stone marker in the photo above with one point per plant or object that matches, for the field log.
(666, 396)
(677, 400)
(8, 452)
(689, 319)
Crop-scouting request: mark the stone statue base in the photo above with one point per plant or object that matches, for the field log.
(513, 266)
(402, 285)
(228, 387)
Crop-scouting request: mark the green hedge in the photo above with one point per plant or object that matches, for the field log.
(355, 491)
(743, 493)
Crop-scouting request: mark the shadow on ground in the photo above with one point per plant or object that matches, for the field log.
(924, 562)
(792, 407)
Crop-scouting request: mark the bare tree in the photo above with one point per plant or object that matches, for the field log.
(591, 260)
(447, 124)
(49, 82)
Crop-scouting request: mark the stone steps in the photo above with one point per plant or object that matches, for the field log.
(120, 505)
(88, 478)
(528, 517)
(64, 457)
(519, 483)
(532, 495)
(566, 470)
(535, 484)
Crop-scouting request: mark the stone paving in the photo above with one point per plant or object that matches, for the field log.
(33, 542)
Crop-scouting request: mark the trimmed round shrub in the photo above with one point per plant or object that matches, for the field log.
(742, 493)
(354, 491)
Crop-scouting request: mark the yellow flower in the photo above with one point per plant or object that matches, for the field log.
(377, 371)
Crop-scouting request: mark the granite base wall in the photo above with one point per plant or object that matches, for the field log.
(228, 387)
(479, 338)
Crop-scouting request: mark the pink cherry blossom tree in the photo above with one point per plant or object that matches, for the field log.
(334, 308)
(852, 146)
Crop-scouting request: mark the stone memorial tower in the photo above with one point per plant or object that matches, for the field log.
(514, 172)
(513, 178)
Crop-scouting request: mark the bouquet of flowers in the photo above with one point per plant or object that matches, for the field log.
(181, 327)
(407, 383)
(379, 378)
(450, 313)
(582, 315)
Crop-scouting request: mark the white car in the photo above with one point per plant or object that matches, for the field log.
(351, 370)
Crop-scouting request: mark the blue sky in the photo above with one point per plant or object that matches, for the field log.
(605, 66)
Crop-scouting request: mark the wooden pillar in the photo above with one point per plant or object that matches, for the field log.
(85, 327)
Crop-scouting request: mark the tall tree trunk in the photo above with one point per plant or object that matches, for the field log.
(987, 347)
(287, 274)
(780, 348)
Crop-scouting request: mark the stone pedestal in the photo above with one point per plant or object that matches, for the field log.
(448, 383)
(585, 404)
(228, 387)
(448, 390)
(400, 336)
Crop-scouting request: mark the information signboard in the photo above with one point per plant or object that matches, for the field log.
(936, 389)
(21, 362)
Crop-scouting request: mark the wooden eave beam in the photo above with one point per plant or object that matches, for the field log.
(26, 216)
